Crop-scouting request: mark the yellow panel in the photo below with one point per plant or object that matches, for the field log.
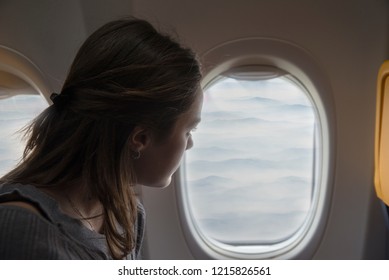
(382, 135)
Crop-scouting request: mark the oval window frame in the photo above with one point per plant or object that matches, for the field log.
(24, 74)
(300, 64)
(20, 66)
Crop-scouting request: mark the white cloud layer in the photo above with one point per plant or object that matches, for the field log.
(250, 174)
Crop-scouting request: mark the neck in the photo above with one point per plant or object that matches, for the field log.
(77, 201)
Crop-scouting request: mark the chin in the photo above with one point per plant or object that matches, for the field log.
(166, 183)
(159, 185)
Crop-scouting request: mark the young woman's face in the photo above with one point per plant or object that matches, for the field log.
(159, 160)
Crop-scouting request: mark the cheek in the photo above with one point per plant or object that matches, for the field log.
(178, 149)
(156, 166)
(175, 153)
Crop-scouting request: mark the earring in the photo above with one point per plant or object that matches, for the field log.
(136, 155)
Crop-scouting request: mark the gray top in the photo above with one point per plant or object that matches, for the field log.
(54, 235)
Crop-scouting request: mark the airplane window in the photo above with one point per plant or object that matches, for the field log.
(250, 177)
(15, 112)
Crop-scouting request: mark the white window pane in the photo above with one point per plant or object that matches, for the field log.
(15, 113)
(250, 175)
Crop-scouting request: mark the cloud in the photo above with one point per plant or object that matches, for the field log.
(15, 113)
(250, 172)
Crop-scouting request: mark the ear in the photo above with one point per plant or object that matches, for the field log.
(140, 138)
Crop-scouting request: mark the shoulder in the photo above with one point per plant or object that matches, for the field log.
(29, 236)
(33, 227)
(22, 204)
(24, 233)
(27, 197)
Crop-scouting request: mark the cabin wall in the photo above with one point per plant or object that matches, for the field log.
(49, 32)
(349, 41)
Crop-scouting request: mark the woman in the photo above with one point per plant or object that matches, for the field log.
(123, 119)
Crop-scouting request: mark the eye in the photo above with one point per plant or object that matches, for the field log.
(191, 131)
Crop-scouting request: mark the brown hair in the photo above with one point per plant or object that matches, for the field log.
(125, 74)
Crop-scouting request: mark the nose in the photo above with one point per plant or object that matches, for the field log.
(190, 143)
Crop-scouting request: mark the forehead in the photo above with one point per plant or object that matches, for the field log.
(195, 109)
(193, 115)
